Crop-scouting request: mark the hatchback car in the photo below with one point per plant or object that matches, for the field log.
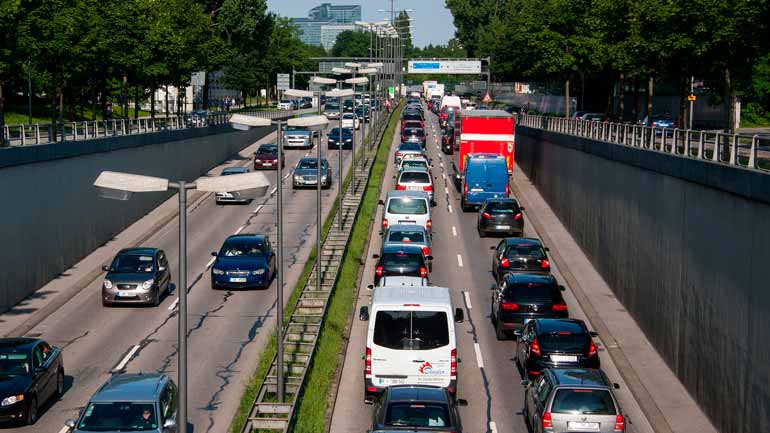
(401, 260)
(414, 134)
(519, 298)
(415, 179)
(130, 403)
(32, 372)
(660, 122)
(348, 106)
(136, 276)
(417, 408)
(266, 157)
(546, 343)
(519, 255)
(350, 120)
(413, 116)
(333, 139)
(564, 400)
(409, 234)
(406, 148)
(245, 260)
(407, 207)
(306, 173)
(226, 197)
(500, 216)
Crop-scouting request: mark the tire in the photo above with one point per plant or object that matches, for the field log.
(30, 415)
(59, 384)
(499, 333)
(463, 206)
(156, 301)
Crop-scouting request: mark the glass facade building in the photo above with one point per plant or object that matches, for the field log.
(325, 22)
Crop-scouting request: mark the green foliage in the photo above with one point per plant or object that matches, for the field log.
(351, 43)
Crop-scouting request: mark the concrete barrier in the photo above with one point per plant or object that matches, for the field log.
(52, 216)
(684, 245)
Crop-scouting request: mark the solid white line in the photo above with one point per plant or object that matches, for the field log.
(240, 229)
(449, 208)
(274, 190)
(64, 429)
(127, 358)
(479, 360)
(492, 427)
(454, 231)
(211, 262)
(289, 174)
(467, 300)
(443, 175)
(459, 260)
(446, 190)
(259, 208)
(174, 304)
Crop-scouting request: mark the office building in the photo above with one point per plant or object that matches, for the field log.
(325, 22)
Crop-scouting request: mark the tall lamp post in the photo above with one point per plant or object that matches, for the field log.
(121, 186)
(341, 94)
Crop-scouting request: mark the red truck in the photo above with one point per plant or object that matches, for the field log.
(483, 131)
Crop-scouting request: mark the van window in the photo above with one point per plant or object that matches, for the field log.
(407, 205)
(583, 401)
(411, 330)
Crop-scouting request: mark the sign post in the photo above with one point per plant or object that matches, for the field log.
(283, 83)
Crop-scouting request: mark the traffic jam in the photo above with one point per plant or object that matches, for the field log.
(410, 368)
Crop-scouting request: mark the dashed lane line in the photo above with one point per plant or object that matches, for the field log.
(126, 358)
(459, 260)
(454, 231)
(173, 304)
(492, 427)
(259, 208)
(449, 208)
(467, 300)
(479, 359)
(240, 229)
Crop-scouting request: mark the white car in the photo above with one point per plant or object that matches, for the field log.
(407, 207)
(350, 120)
(415, 179)
(286, 104)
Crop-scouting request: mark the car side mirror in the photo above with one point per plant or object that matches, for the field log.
(616, 386)
(70, 423)
(363, 314)
(493, 247)
(525, 382)
(547, 249)
(161, 269)
(462, 402)
(370, 287)
(593, 333)
(106, 268)
(214, 253)
(522, 208)
(381, 202)
(493, 287)
(375, 256)
(517, 332)
(429, 257)
(459, 315)
(562, 288)
(170, 423)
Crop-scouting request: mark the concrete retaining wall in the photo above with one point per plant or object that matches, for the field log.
(52, 216)
(685, 245)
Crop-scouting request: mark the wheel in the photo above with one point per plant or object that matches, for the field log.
(30, 416)
(499, 333)
(60, 383)
(156, 300)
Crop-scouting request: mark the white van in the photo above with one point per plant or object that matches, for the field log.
(410, 339)
(407, 207)
(451, 101)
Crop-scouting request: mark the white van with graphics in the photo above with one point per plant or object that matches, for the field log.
(410, 339)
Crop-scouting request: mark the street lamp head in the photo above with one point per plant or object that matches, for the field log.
(375, 65)
(242, 186)
(381, 23)
(358, 80)
(341, 70)
(312, 122)
(353, 65)
(298, 93)
(367, 71)
(120, 186)
(322, 80)
(340, 93)
(362, 23)
(245, 122)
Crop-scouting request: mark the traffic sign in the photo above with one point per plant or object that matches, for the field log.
(283, 81)
(691, 98)
(487, 98)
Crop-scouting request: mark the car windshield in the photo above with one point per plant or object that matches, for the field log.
(132, 263)
(528, 250)
(118, 416)
(502, 207)
(332, 106)
(531, 292)
(295, 129)
(563, 342)
(406, 236)
(408, 145)
(267, 150)
(583, 401)
(411, 330)
(348, 116)
(417, 414)
(307, 164)
(407, 205)
(414, 177)
(242, 248)
(418, 163)
(285, 101)
(13, 363)
(336, 133)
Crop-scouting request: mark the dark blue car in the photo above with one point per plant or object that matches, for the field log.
(660, 122)
(244, 261)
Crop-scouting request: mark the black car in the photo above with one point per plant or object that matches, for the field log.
(362, 111)
(136, 276)
(448, 141)
(334, 139)
(519, 255)
(416, 408)
(500, 216)
(31, 372)
(519, 298)
(348, 106)
(546, 343)
(402, 261)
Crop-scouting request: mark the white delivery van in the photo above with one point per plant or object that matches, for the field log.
(451, 101)
(410, 339)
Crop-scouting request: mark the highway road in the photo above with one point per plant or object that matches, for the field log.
(487, 376)
(227, 329)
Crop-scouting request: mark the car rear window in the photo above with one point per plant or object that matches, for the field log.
(502, 207)
(414, 131)
(407, 205)
(531, 292)
(401, 260)
(408, 145)
(406, 236)
(527, 250)
(418, 163)
(414, 177)
(417, 414)
(411, 330)
(564, 342)
(583, 401)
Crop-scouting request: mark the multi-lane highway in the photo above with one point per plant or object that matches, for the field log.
(487, 376)
(227, 329)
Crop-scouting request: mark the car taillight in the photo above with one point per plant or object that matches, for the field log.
(505, 262)
(465, 189)
(535, 347)
(400, 187)
(378, 271)
(426, 251)
(429, 224)
(592, 349)
(384, 223)
(368, 361)
(486, 215)
(399, 154)
(423, 272)
(545, 264)
(559, 307)
(620, 424)
(547, 423)
(507, 190)
(654, 123)
(509, 306)
(517, 216)
(453, 363)
(428, 188)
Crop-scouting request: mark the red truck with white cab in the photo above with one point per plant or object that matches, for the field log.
(483, 132)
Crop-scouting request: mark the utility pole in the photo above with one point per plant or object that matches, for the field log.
(692, 101)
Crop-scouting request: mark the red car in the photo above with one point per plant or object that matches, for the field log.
(266, 157)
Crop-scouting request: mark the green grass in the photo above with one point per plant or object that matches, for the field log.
(310, 415)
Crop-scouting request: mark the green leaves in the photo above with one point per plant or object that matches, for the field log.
(351, 43)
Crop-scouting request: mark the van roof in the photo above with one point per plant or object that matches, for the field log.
(426, 295)
(487, 113)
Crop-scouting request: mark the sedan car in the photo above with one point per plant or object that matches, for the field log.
(401, 260)
(266, 157)
(417, 408)
(287, 104)
(245, 260)
(406, 148)
(500, 216)
(363, 112)
(409, 234)
(660, 122)
(519, 298)
(31, 372)
(297, 137)
(226, 197)
(350, 120)
(136, 276)
(333, 139)
(547, 343)
(520, 255)
(306, 173)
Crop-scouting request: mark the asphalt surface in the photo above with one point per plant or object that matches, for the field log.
(227, 329)
(487, 376)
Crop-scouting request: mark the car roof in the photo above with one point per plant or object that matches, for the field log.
(407, 194)
(235, 170)
(487, 113)
(520, 241)
(579, 376)
(138, 251)
(401, 393)
(428, 295)
(545, 326)
(130, 387)
(530, 278)
(390, 248)
(21, 343)
(248, 236)
(312, 159)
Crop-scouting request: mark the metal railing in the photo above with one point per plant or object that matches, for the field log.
(37, 133)
(748, 151)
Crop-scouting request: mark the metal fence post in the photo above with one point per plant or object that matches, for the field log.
(734, 150)
(753, 152)
(717, 148)
(700, 145)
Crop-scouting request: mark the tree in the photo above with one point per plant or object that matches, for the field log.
(351, 43)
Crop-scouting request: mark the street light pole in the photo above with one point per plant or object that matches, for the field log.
(182, 322)
(279, 310)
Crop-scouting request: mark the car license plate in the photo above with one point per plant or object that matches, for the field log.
(406, 222)
(237, 280)
(583, 426)
(390, 382)
(125, 294)
(267, 164)
(563, 358)
(502, 227)
(413, 188)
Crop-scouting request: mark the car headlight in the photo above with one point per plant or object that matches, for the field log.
(11, 400)
(216, 271)
(148, 284)
(258, 272)
(107, 284)
(323, 178)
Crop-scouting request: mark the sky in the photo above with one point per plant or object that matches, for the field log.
(431, 21)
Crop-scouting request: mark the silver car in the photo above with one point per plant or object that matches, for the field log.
(572, 400)
(297, 137)
(306, 173)
(136, 276)
(410, 234)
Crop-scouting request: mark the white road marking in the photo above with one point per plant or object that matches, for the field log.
(240, 229)
(174, 304)
(64, 429)
(211, 262)
(454, 231)
(127, 358)
(446, 190)
(274, 190)
(459, 260)
(479, 360)
(467, 300)
(441, 163)
(259, 208)
(492, 427)
(449, 208)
